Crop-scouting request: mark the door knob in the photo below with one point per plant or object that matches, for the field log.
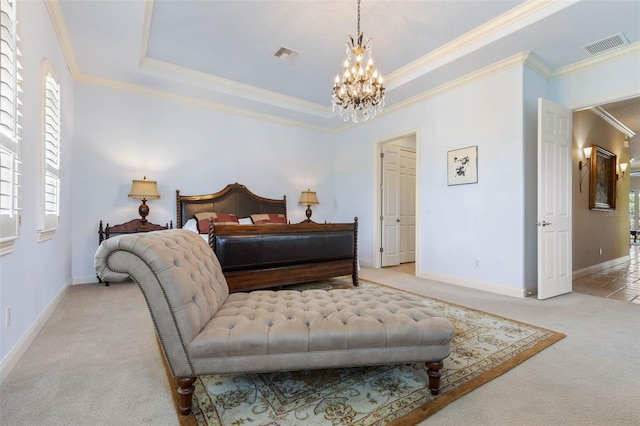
(543, 223)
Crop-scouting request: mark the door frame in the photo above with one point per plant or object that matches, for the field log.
(378, 200)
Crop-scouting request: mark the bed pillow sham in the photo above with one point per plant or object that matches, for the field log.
(269, 218)
(218, 219)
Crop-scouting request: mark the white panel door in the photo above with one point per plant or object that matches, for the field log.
(390, 205)
(554, 200)
(407, 205)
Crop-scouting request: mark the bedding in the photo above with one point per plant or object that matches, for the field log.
(270, 252)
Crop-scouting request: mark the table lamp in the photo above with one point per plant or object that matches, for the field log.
(308, 198)
(144, 190)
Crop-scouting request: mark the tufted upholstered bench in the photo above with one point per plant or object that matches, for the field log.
(205, 330)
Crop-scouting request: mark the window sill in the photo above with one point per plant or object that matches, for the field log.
(6, 245)
(46, 234)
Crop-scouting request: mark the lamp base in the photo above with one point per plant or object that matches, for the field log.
(143, 210)
(308, 213)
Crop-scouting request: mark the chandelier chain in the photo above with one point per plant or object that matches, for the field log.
(358, 17)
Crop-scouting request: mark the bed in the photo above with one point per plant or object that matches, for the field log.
(257, 246)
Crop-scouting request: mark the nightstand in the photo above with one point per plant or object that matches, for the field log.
(132, 227)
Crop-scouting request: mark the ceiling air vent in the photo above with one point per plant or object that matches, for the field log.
(286, 54)
(606, 44)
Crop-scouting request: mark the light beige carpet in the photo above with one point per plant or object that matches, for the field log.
(485, 346)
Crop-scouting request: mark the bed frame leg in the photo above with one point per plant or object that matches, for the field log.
(185, 394)
(434, 370)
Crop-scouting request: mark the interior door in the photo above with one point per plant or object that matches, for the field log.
(407, 205)
(554, 200)
(390, 219)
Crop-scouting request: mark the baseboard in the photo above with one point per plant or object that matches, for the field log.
(594, 268)
(478, 285)
(27, 339)
(84, 279)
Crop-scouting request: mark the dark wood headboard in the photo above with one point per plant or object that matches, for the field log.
(234, 198)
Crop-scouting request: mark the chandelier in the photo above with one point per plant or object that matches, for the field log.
(360, 92)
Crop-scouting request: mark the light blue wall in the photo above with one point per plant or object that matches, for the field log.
(122, 136)
(457, 225)
(111, 137)
(36, 272)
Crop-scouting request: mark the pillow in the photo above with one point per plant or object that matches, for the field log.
(245, 221)
(191, 225)
(270, 218)
(218, 219)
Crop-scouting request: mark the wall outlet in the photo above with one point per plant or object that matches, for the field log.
(7, 317)
(600, 252)
(476, 263)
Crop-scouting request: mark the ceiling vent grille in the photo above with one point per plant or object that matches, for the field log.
(286, 54)
(606, 44)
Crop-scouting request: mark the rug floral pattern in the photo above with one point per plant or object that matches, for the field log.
(367, 395)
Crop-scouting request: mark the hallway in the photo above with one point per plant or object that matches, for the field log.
(619, 282)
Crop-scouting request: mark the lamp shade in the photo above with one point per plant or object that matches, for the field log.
(144, 189)
(308, 198)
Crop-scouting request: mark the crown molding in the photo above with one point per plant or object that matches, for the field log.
(520, 16)
(171, 96)
(206, 81)
(509, 22)
(602, 113)
(60, 28)
(604, 58)
(515, 60)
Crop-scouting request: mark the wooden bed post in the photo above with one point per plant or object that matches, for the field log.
(354, 276)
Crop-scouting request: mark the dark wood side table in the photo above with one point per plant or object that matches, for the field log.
(132, 227)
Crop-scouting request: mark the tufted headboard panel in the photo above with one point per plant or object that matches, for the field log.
(234, 198)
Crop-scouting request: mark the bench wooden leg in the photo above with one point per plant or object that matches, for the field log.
(434, 370)
(185, 394)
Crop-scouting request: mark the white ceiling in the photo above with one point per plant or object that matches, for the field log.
(221, 53)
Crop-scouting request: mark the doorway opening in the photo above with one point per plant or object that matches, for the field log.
(397, 204)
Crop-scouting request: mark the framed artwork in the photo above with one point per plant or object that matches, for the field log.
(602, 179)
(462, 166)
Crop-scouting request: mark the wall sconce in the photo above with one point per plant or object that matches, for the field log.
(144, 190)
(623, 169)
(308, 198)
(586, 164)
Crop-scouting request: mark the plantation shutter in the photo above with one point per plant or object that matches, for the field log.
(10, 91)
(51, 153)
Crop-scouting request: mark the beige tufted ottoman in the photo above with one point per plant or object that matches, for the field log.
(205, 330)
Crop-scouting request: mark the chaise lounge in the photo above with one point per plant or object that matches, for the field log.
(203, 329)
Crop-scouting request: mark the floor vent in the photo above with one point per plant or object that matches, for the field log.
(606, 44)
(286, 54)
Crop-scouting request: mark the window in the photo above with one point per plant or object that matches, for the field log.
(10, 90)
(51, 155)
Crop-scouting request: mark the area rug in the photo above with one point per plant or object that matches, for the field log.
(484, 347)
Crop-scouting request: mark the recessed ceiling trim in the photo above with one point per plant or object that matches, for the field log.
(507, 23)
(602, 113)
(595, 61)
(190, 100)
(60, 28)
(207, 81)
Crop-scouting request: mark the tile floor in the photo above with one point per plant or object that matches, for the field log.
(620, 282)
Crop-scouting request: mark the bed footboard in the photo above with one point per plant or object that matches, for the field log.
(263, 256)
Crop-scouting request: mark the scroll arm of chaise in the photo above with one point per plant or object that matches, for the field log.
(174, 282)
